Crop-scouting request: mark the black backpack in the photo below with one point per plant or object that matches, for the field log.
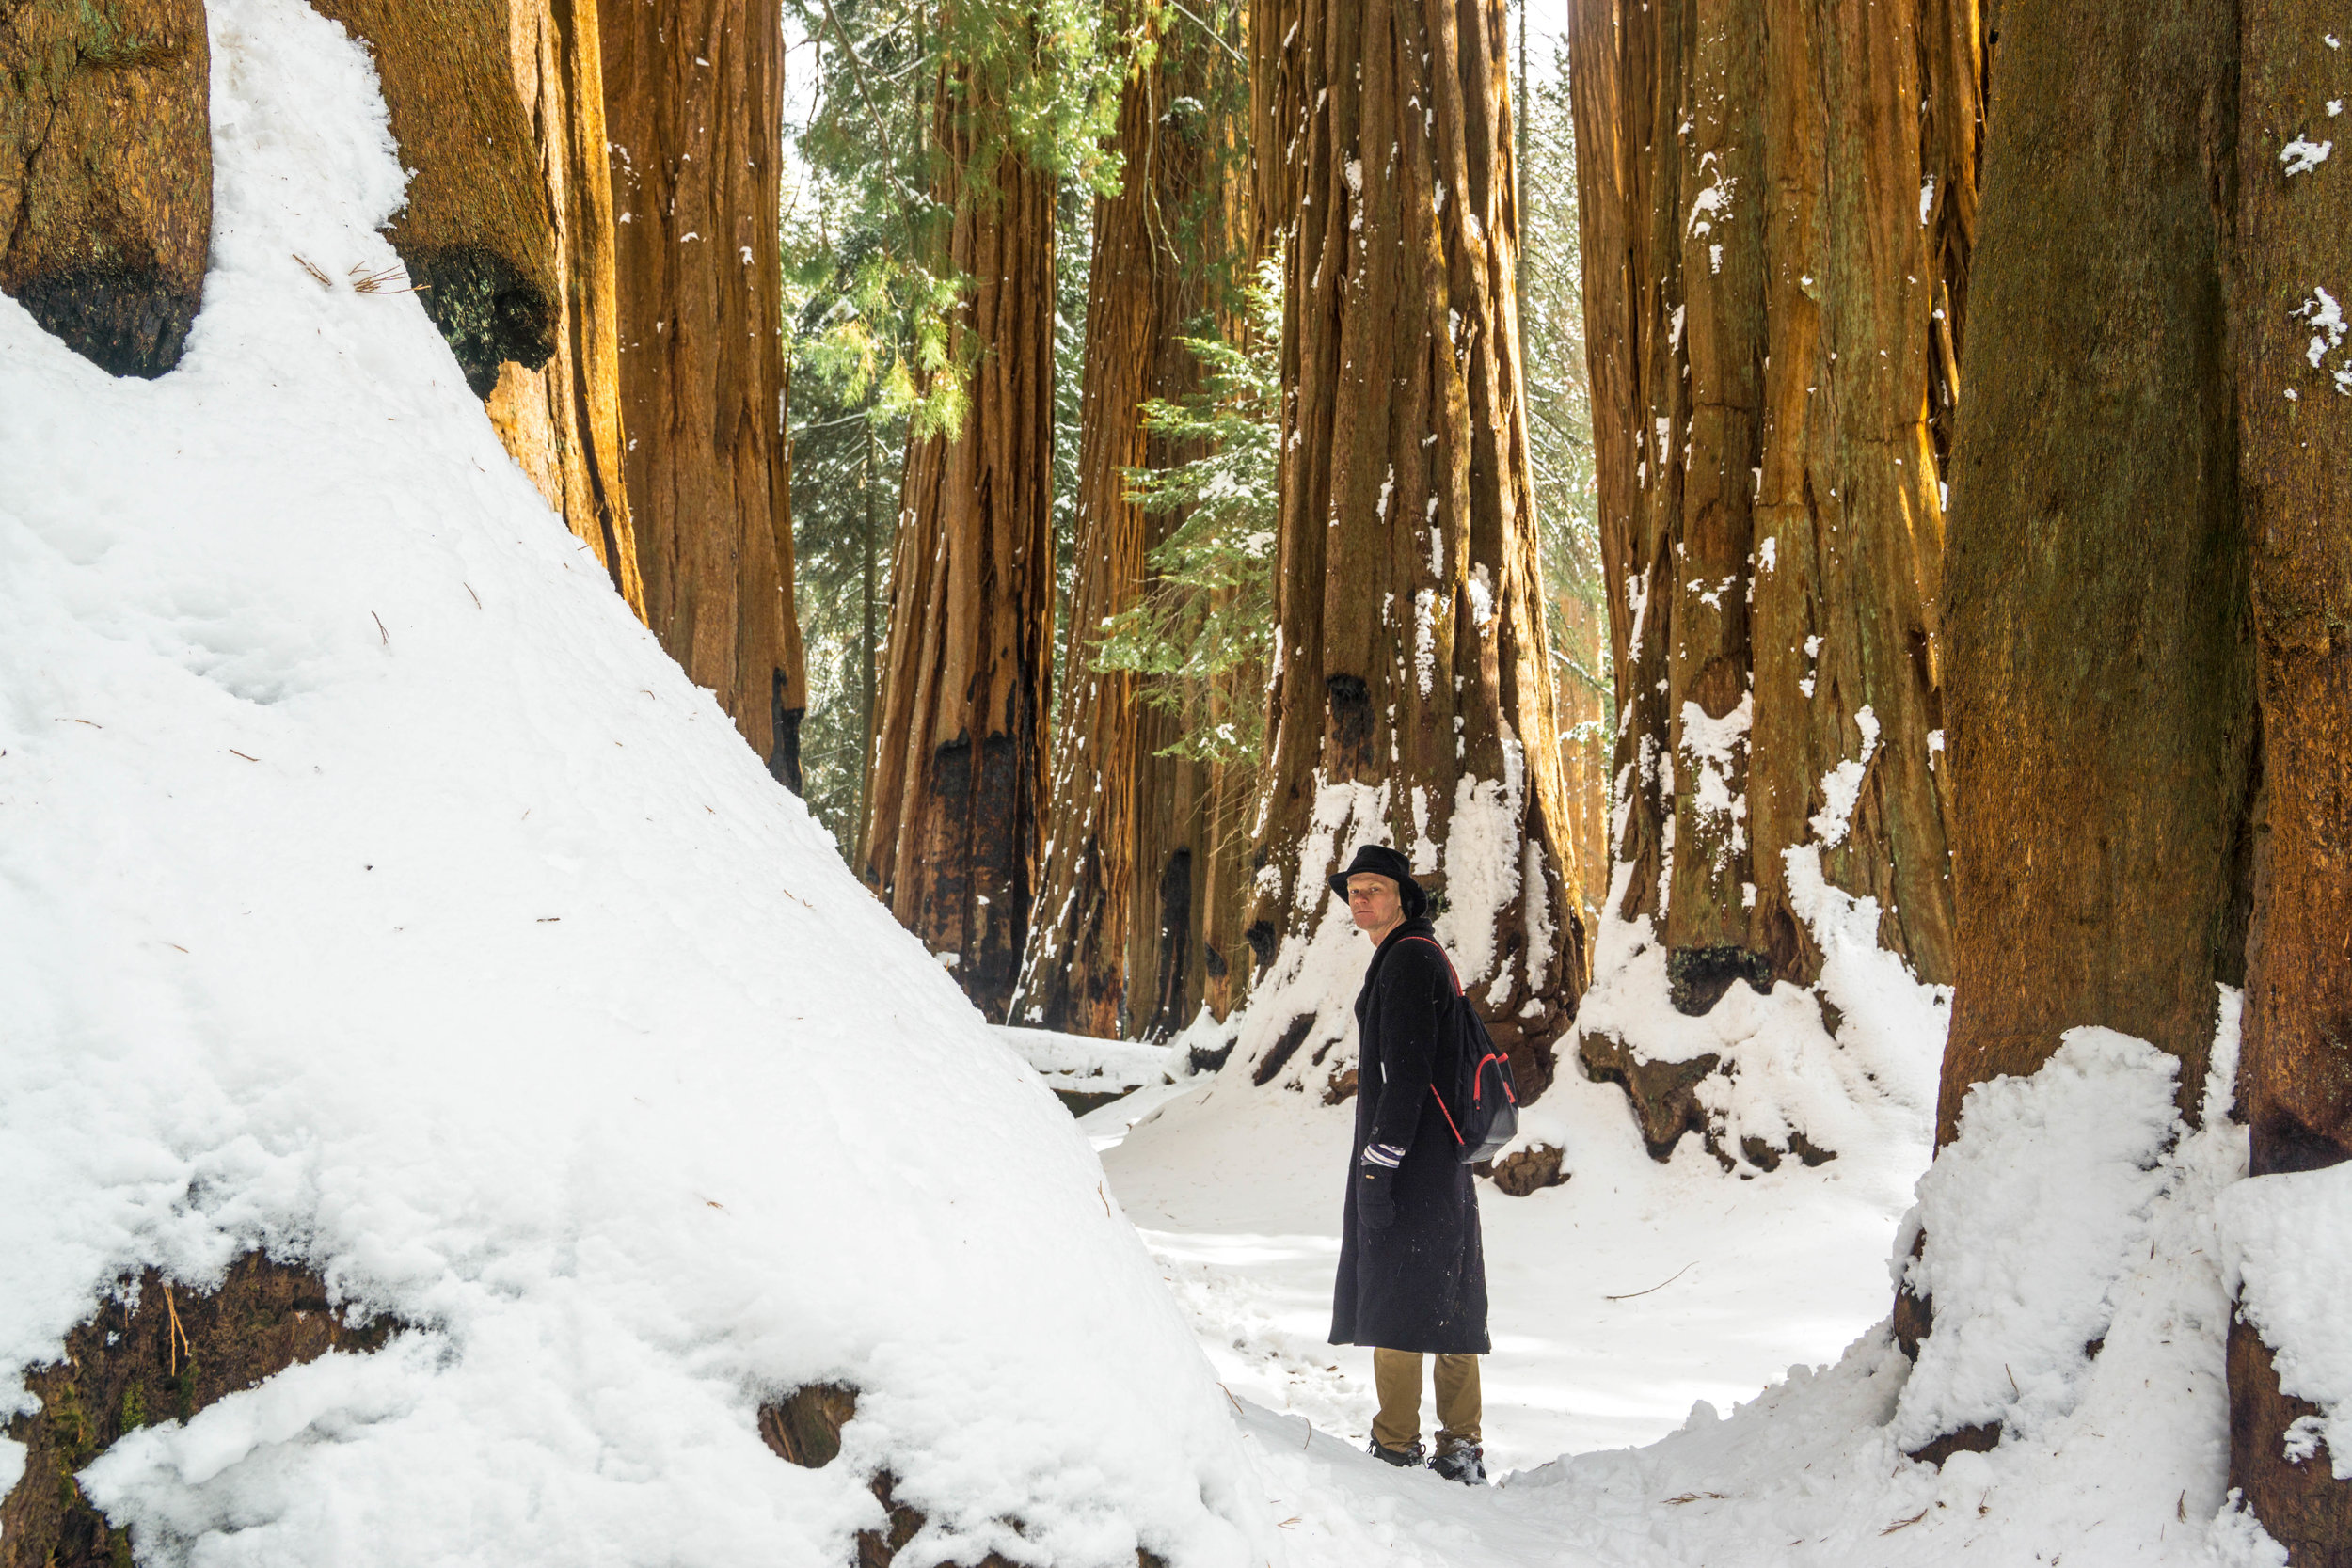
(1482, 1102)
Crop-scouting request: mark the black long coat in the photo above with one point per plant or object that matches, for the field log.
(1421, 1285)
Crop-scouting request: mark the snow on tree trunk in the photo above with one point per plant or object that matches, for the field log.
(1779, 209)
(1411, 701)
(476, 235)
(106, 174)
(2294, 261)
(1107, 893)
(958, 773)
(562, 421)
(693, 94)
(2096, 588)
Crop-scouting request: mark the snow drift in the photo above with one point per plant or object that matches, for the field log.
(374, 893)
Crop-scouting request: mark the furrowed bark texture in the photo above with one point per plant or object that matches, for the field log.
(562, 421)
(106, 173)
(1779, 201)
(1192, 884)
(693, 102)
(2102, 729)
(1119, 817)
(1584, 766)
(1412, 704)
(477, 235)
(2295, 465)
(958, 777)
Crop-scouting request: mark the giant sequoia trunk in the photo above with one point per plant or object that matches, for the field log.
(958, 769)
(2096, 594)
(1412, 704)
(1779, 205)
(693, 102)
(1117, 880)
(106, 173)
(562, 421)
(476, 234)
(2295, 468)
(2151, 585)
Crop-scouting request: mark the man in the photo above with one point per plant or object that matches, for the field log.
(1412, 1272)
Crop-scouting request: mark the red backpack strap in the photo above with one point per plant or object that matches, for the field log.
(1449, 962)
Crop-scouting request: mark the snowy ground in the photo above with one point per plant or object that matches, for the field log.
(2090, 1326)
(1727, 1282)
(373, 891)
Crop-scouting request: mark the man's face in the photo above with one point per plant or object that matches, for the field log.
(1372, 899)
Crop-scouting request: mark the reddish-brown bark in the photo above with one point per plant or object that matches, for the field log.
(1116, 894)
(562, 421)
(476, 234)
(1411, 660)
(958, 775)
(2102, 723)
(106, 174)
(693, 102)
(2294, 467)
(1778, 199)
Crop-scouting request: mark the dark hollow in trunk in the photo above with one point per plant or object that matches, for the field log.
(477, 232)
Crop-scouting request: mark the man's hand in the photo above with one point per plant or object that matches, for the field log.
(1375, 1195)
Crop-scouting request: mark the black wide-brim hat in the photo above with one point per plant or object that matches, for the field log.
(1381, 861)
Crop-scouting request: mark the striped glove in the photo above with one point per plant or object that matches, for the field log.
(1376, 1186)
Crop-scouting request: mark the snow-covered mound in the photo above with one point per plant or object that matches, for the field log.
(374, 891)
(2080, 1303)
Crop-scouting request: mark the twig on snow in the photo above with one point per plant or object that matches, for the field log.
(382, 281)
(380, 628)
(1900, 1524)
(1659, 1285)
(325, 281)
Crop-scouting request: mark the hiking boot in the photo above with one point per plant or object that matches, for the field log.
(1401, 1458)
(1465, 1463)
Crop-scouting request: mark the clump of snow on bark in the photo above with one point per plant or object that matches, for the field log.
(1841, 787)
(2294, 1287)
(1780, 1069)
(2020, 1281)
(375, 891)
(1483, 863)
(1713, 747)
(2301, 156)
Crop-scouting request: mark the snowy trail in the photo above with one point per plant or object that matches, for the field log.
(2113, 1461)
(1726, 1283)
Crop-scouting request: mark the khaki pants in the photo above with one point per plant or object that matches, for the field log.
(1396, 1373)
